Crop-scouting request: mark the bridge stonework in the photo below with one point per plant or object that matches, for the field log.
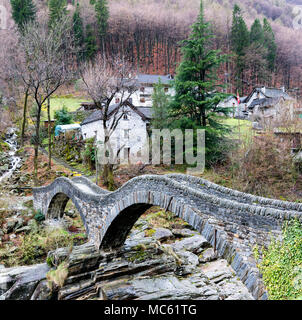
(232, 221)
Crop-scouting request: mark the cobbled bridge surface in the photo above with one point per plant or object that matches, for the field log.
(232, 221)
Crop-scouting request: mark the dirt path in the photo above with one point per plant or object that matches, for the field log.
(66, 165)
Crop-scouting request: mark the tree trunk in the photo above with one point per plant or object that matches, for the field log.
(37, 142)
(49, 134)
(24, 116)
(107, 168)
(108, 176)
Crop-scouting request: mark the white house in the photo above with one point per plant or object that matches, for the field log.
(235, 109)
(143, 97)
(131, 133)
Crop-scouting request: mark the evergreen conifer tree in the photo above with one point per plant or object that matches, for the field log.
(23, 11)
(196, 97)
(270, 44)
(102, 16)
(240, 37)
(57, 9)
(160, 106)
(90, 43)
(78, 30)
(240, 40)
(256, 34)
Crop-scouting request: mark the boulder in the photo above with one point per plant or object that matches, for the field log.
(19, 224)
(183, 233)
(19, 283)
(208, 255)
(162, 234)
(10, 225)
(26, 229)
(194, 244)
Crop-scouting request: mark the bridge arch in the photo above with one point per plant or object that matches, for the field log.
(57, 206)
(230, 220)
(124, 214)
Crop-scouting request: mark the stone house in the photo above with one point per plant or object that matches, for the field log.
(131, 133)
(143, 96)
(231, 103)
(267, 105)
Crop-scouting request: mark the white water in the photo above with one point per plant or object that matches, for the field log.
(11, 140)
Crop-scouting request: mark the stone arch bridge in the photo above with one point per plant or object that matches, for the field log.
(232, 221)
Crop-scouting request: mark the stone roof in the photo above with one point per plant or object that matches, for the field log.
(275, 93)
(98, 115)
(270, 93)
(153, 78)
(265, 102)
(145, 113)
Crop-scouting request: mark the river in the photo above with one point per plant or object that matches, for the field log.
(11, 140)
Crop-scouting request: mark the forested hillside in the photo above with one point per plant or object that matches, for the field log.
(149, 32)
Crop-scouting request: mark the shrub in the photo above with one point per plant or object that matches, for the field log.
(89, 153)
(35, 246)
(281, 264)
(39, 216)
(56, 278)
(264, 165)
(63, 116)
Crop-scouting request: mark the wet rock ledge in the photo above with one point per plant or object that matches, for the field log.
(160, 263)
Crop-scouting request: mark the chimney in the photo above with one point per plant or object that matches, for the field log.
(263, 89)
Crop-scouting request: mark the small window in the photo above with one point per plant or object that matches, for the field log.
(142, 89)
(139, 153)
(166, 89)
(125, 116)
(117, 100)
(142, 99)
(126, 133)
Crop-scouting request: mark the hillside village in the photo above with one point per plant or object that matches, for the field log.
(264, 108)
(150, 150)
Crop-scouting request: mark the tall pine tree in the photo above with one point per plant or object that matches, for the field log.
(23, 11)
(196, 97)
(270, 44)
(78, 30)
(240, 36)
(57, 9)
(90, 43)
(240, 40)
(102, 16)
(256, 34)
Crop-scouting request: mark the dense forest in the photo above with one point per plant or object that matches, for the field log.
(149, 34)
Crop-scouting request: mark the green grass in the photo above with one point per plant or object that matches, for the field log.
(241, 129)
(57, 103)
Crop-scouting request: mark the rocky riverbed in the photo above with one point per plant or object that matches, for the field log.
(171, 261)
(162, 258)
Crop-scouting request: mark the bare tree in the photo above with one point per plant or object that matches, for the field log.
(104, 79)
(44, 65)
